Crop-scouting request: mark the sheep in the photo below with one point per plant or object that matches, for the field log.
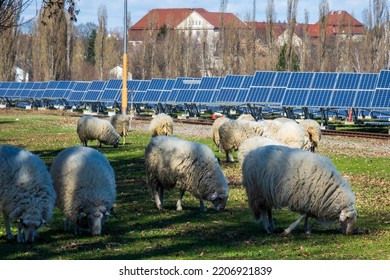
(161, 124)
(246, 117)
(291, 134)
(26, 192)
(189, 166)
(252, 143)
(85, 184)
(214, 129)
(312, 134)
(93, 128)
(121, 123)
(307, 183)
(233, 133)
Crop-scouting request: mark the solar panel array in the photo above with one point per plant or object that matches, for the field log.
(267, 89)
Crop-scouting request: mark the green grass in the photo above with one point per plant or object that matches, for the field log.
(139, 231)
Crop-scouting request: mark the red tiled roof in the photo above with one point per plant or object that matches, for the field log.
(157, 18)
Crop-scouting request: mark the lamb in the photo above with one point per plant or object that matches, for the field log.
(161, 124)
(252, 143)
(189, 166)
(215, 127)
(312, 134)
(121, 123)
(233, 133)
(26, 192)
(85, 184)
(93, 128)
(307, 183)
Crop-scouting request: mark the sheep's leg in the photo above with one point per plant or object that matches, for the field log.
(271, 220)
(7, 226)
(20, 237)
(84, 142)
(266, 224)
(159, 197)
(66, 225)
(229, 156)
(179, 202)
(201, 205)
(306, 225)
(294, 224)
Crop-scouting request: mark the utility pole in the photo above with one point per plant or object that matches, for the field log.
(124, 73)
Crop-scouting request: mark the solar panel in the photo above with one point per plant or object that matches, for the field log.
(363, 99)
(295, 97)
(152, 95)
(300, 80)
(381, 98)
(384, 79)
(282, 79)
(227, 95)
(186, 83)
(233, 81)
(276, 96)
(347, 81)
(264, 79)
(204, 96)
(242, 95)
(185, 96)
(319, 98)
(343, 98)
(258, 95)
(324, 80)
(169, 84)
(368, 81)
(209, 83)
(157, 83)
(247, 82)
(110, 94)
(114, 84)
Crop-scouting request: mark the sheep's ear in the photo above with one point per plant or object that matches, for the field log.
(214, 196)
(343, 216)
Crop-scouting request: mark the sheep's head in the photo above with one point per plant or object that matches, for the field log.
(27, 230)
(219, 201)
(93, 221)
(348, 219)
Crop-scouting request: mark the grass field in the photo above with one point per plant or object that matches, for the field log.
(139, 231)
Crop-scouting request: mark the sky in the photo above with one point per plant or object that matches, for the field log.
(241, 8)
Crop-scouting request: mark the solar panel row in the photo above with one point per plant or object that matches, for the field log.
(267, 88)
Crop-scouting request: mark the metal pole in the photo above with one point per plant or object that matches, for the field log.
(124, 73)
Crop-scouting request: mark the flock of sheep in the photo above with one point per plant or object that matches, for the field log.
(279, 169)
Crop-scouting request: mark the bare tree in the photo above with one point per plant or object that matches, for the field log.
(270, 19)
(323, 11)
(292, 6)
(11, 10)
(100, 40)
(305, 52)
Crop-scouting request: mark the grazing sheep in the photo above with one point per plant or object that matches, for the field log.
(189, 166)
(214, 129)
(161, 124)
(246, 117)
(92, 128)
(254, 142)
(121, 123)
(291, 134)
(26, 192)
(312, 133)
(233, 133)
(85, 184)
(307, 183)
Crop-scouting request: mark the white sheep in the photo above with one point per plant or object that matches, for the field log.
(233, 133)
(254, 142)
(161, 124)
(26, 192)
(189, 166)
(215, 127)
(121, 123)
(312, 133)
(246, 117)
(291, 134)
(307, 183)
(85, 184)
(93, 128)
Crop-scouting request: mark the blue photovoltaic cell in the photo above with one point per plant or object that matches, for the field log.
(300, 80)
(157, 83)
(319, 98)
(347, 81)
(172, 97)
(97, 85)
(81, 86)
(232, 81)
(241, 95)
(14, 85)
(368, 81)
(64, 84)
(76, 96)
(110, 94)
(5, 85)
(247, 81)
(324, 80)
(186, 83)
(92, 95)
(227, 95)
(342, 98)
(169, 84)
(185, 96)
(114, 84)
(138, 96)
(276, 95)
(203, 96)
(363, 98)
(295, 97)
(258, 94)
(143, 85)
(152, 95)
(282, 79)
(384, 79)
(52, 85)
(381, 98)
(164, 96)
(133, 85)
(264, 79)
(209, 82)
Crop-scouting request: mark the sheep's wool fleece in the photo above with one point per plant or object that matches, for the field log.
(91, 128)
(214, 128)
(83, 179)
(121, 123)
(26, 190)
(278, 176)
(233, 133)
(174, 162)
(161, 124)
(254, 142)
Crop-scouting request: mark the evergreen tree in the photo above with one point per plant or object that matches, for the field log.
(91, 57)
